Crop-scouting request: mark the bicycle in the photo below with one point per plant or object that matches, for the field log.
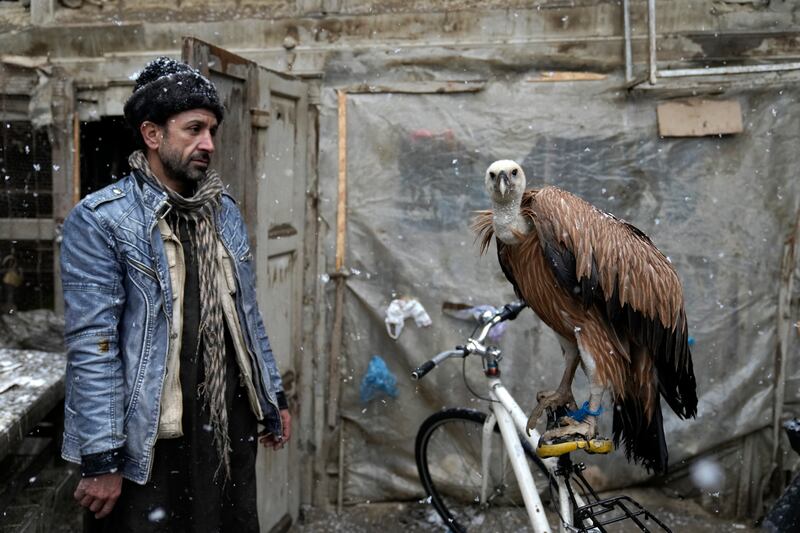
(471, 486)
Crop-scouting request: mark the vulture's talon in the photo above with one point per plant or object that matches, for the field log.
(550, 400)
(586, 430)
(531, 424)
(567, 421)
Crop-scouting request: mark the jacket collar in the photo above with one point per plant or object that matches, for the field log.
(153, 199)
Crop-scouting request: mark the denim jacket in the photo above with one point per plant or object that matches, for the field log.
(118, 316)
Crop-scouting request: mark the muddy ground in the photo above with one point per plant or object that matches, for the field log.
(416, 517)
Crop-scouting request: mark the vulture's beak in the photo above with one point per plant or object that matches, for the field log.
(502, 182)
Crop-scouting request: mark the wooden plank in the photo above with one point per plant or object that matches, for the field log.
(696, 117)
(555, 76)
(13, 107)
(27, 229)
(423, 87)
(207, 57)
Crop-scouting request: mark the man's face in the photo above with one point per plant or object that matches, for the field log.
(187, 144)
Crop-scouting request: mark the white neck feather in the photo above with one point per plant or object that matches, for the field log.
(509, 222)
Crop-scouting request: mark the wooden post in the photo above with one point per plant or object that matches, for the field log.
(341, 278)
(76, 158)
(65, 157)
(341, 227)
(341, 209)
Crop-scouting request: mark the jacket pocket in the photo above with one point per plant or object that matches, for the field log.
(141, 267)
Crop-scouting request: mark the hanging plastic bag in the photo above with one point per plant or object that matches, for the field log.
(378, 379)
(399, 310)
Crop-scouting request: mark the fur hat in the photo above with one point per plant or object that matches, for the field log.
(167, 87)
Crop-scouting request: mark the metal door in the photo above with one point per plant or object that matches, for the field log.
(262, 153)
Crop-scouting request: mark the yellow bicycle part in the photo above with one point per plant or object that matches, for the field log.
(560, 448)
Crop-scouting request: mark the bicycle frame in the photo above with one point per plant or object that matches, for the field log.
(512, 421)
(509, 417)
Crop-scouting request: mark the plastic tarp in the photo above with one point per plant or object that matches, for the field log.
(719, 207)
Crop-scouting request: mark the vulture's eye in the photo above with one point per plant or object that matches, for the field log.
(492, 175)
(514, 172)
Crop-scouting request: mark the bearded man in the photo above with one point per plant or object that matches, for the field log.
(169, 370)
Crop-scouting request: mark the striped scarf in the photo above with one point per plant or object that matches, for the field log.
(200, 209)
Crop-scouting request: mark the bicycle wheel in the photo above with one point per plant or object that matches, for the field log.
(448, 454)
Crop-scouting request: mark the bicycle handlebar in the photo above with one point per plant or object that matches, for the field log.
(510, 311)
(423, 369)
(427, 366)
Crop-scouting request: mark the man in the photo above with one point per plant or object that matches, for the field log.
(169, 365)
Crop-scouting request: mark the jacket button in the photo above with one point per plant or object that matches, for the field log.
(116, 191)
(173, 336)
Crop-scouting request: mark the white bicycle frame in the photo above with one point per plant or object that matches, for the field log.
(511, 420)
(509, 417)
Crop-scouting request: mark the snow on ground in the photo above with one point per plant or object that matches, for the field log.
(417, 517)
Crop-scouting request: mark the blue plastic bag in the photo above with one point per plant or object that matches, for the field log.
(377, 379)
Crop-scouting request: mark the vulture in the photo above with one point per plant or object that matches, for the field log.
(614, 301)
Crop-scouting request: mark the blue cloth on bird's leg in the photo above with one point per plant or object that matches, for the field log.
(580, 414)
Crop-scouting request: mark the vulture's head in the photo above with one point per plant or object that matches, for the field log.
(505, 181)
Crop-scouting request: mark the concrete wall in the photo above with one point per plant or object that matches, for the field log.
(420, 39)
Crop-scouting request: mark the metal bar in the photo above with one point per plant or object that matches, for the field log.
(626, 18)
(586, 486)
(521, 421)
(564, 504)
(737, 69)
(486, 454)
(632, 516)
(651, 23)
(517, 415)
(516, 454)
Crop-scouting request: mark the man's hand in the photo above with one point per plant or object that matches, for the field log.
(99, 494)
(278, 443)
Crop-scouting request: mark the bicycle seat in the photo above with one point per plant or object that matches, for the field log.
(570, 444)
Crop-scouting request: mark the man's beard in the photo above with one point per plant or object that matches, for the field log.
(181, 171)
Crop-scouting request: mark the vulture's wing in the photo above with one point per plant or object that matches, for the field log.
(505, 265)
(608, 263)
